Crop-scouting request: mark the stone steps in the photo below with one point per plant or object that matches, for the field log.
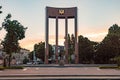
(56, 77)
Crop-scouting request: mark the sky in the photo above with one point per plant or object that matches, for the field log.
(94, 18)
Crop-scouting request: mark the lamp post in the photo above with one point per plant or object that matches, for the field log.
(0, 27)
(34, 56)
(0, 8)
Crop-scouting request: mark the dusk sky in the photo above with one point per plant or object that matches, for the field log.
(94, 18)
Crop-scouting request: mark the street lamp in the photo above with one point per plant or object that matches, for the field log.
(0, 8)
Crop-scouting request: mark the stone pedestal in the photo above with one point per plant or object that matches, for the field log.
(61, 63)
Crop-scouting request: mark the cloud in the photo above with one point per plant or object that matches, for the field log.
(60, 39)
(29, 43)
(96, 36)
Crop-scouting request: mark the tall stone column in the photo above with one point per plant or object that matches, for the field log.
(76, 37)
(66, 40)
(46, 38)
(56, 47)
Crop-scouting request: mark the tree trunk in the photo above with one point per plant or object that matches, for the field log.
(9, 64)
(4, 62)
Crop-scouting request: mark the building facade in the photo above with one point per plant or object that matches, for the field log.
(19, 57)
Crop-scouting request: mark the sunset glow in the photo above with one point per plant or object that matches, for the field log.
(94, 18)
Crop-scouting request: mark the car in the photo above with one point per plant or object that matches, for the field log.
(29, 63)
(40, 62)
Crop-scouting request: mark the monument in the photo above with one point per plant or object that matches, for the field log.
(61, 13)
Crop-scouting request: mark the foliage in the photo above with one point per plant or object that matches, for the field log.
(103, 52)
(61, 54)
(2, 68)
(71, 47)
(15, 32)
(117, 59)
(110, 46)
(25, 60)
(108, 67)
(40, 50)
(15, 67)
(86, 49)
(30, 55)
(11, 67)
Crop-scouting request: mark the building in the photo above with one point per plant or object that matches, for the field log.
(19, 57)
(60, 48)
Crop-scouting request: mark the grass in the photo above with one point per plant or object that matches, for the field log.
(12, 67)
(109, 67)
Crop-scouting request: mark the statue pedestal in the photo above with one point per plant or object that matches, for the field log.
(61, 63)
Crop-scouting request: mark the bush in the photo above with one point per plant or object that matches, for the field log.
(11, 67)
(14, 67)
(2, 68)
(108, 67)
(25, 60)
(117, 59)
(118, 68)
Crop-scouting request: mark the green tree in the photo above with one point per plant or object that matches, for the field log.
(71, 47)
(110, 46)
(25, 60)
(0, 8)
(30, 55)
(86, 50)
(15, 32)
(117, 60)
(72, 44)
(40, 50)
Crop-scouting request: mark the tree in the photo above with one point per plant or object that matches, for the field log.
(0, 8)
(72, 44)
(15, 32)
(71, 47)
(40, 50)
(110, 46)
(30, 55)
(25, 60)
(86, 50)
(117, 59)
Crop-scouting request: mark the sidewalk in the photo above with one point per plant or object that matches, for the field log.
(61, 73)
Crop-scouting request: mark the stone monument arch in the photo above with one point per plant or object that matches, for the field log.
(61, 13)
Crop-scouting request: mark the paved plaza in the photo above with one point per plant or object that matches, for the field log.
(60, 73)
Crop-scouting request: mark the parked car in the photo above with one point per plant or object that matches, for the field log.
(29, 63)
(40, 62)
